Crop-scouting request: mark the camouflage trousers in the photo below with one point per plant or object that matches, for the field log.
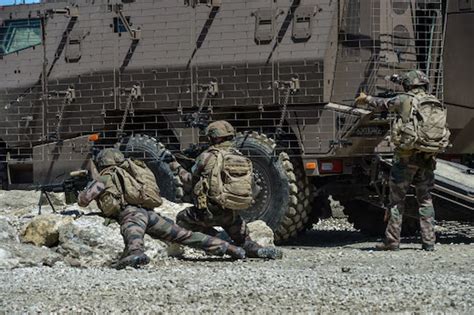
(135, 222)
(418, 170)
(204, 220)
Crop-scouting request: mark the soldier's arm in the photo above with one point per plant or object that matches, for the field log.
(391, 104)
(203, 165)
(93, 170)
(90, 193)
(185, 176)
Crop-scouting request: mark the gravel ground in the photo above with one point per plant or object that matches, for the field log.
(330, 269)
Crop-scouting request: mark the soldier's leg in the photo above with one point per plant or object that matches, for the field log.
(133, 222)
(164, 229)
(424, 182)
(235, 227)
(238, 231)
(195, 220)
(401, 176)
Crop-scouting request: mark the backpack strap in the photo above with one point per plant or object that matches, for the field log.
(115, 175)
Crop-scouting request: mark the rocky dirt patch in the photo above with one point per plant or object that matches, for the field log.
(330, 269)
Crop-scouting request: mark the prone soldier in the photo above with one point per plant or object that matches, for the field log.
(419, 133)
(222, 180)
(126, 191)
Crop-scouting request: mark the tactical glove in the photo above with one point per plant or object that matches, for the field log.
(361, 99)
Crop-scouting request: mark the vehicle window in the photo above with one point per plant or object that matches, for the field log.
(16, 35)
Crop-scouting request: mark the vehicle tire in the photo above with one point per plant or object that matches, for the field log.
(369, 219)
(151, 151)
(282, 197)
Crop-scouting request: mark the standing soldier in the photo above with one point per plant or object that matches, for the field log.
(222, 187)
(419, 133)
(126, 191)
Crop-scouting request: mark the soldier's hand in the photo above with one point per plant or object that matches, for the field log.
(361, 99)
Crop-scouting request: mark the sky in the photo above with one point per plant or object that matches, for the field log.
(6, 2)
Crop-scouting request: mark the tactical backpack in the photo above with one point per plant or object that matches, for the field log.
(426, 129)
(132, 183)
(230, 181)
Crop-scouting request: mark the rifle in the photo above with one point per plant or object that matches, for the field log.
(76, 182)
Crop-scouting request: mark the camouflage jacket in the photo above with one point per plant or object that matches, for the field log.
(401, 105)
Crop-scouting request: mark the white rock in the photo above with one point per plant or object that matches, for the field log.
(170, 209)
(261, 233)
(7, 231)
(4, 254)
(94, 244)
(15, 255)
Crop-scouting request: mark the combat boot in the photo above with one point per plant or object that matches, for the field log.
(427, 247)
(254, 250)
(389, 247)
(269, 253)
(236, 252)
(133, 260)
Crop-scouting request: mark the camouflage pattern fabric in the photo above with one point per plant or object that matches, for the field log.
(92, 191)
(410, 167)
(419, 170)
(204, 220)
(135, 222)
(414, 78)
(109, 157)
(220, 128)
(212, 215)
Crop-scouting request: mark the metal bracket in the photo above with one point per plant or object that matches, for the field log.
(293, 85)
(212, 88)
(135, 34)
(198, 118)
(69, 94)
(135, 92)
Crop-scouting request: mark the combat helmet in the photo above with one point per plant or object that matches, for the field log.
(109, 157)
(414, 78)
(220, 129)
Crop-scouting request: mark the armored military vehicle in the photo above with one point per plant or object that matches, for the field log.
(147, 76)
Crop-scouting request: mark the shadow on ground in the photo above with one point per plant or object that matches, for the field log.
(325, 238)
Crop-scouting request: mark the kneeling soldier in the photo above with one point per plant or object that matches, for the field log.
(126, 191)
(222, 180)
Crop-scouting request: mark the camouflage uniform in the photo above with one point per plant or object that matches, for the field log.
(213, 215)
(204, 217)
(409, 167)
(135, 222)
